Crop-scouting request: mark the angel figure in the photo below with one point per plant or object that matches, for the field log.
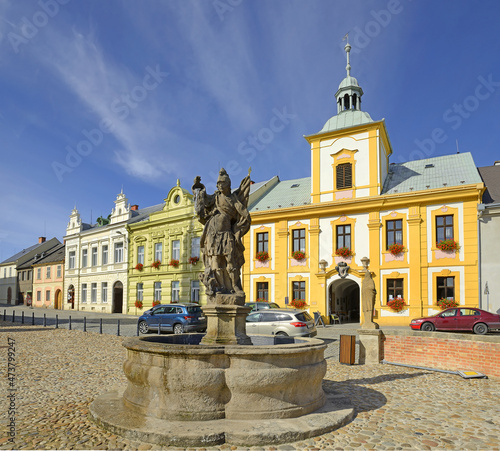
(226, 219)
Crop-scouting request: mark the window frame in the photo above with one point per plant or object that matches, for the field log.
(104, 292)
(298, 240)
(394, 288)
(445, 227)
(84, 293)
(157, 291)
(262, 290)
(343, 176)
(445, 287)
(93, 256)
(85, 253)
(195, 291)
(175, 290)
(195, 246)
(140, 254)
(301, 288)
(104, 254)
(393, 231)
(343, 235)
(118, 252)
(176, 250)
(158, 251)
(262, 242)
(93, 292)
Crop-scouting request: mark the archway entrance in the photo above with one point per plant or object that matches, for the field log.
(58, 300)
(71, 296)
(344, 300)
(117, 297)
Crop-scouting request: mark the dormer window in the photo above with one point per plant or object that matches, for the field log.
(344, 176)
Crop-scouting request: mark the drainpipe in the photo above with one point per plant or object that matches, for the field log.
(480, 209)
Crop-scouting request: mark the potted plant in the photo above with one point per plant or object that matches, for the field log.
(298, 303)
(138, 304)
(156, 264)
(344, 252)
(448, 245)
(156, 302)
(262, 256)
(193, 260)
(139, 266)
(397, 304)
(396, 249)
(174, 263)
(444, 303)
(261, 300)
(298, 255)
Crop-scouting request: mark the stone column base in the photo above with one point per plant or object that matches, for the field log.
(226, 320)
(370, 346)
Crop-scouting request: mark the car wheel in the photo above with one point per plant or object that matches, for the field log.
(178, 329)
(428, 327)
(143, 327)
(480, 328)
(283, 334)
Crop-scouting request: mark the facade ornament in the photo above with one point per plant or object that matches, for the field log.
(342, 268)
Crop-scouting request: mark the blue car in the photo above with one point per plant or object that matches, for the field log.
(176, 318)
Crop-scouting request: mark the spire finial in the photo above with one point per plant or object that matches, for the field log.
(347, 49)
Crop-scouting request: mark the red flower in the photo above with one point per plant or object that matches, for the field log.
(156, 264)
(298, 255)
(343, 252)
(193, 260)
(138, 304)
(447, 245)
(262, 256)
(174, 263)
(397, 304)
(396, 249)
(298, 303)
(139, 266)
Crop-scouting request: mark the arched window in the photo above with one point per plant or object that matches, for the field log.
(354, 101)
(346, 102)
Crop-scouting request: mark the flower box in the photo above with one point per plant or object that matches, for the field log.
(261, 300)
(262, 256)
(447, 303)
(397, 304)
(448, 245)
(155, 303)
(139, 266)
(174, 263)
(298, 255)
(396, 249)
(298, 303)
(193, 260)
(344, 252)
(138, 304)
(156, 264)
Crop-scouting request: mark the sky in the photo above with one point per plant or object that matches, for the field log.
(98, 96)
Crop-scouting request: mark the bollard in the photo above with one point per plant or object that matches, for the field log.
(57, 321)
(100, 326)
(118, 331)
(22, 317)
(4, 314)
(69, 323)
(85, 324)
(159, 326)
(137, 328)
(13, 316)
(44, 320)
(32, 318)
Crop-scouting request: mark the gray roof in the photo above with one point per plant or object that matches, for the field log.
(346, 119)
(431, 173)
(143, 213)
(44, 249)
(56, 254)
(15, 257)
(491, 178)
(286, 193)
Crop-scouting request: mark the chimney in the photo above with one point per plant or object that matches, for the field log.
(41, 239)
(134, 207)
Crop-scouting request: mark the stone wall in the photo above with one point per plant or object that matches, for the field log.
(447, 351)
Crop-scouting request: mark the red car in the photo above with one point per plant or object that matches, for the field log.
(459, 318)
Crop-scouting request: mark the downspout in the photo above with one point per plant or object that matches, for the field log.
(480, 209)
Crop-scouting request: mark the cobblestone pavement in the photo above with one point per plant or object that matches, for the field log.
(59, 372)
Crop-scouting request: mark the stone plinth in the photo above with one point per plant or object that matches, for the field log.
(226, 320)
(370, 346)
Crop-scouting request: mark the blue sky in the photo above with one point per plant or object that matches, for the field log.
(99, 95)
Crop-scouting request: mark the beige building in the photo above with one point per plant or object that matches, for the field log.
(48, 278)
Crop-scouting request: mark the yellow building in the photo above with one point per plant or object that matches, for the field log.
(357, 204)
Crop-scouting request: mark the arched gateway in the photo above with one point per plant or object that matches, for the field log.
(343, 296)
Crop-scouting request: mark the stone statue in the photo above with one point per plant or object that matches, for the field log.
(226, 219)
(368, 293)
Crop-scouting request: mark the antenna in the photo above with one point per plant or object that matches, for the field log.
(458, 151)
(91, 216)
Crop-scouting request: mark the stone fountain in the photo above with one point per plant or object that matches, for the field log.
(224, 386)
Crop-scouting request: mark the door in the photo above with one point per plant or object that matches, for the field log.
(118, 297)
(447, 320)
(466, 318)
(253, 324)
(268, 323)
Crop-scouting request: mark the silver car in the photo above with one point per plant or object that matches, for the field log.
(285, 322)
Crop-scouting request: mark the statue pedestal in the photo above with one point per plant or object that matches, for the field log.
(370, 346)
(226, 320)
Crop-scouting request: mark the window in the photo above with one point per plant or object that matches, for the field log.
(84, 258)
(263, 241)
(38, 273)
(195, 291)
(394, 232)
(140, 255)
(29, 275)
(104, 292)
(299, 240)
(175, 291)
(343, 236)
(140, 292)
(84, 293)
(48, 272)
(119, 252)
(344, 175)
(444, 228)
(71, 260)
(195, 247)
(394, 289)
(299, 290)
(157, 295)
(263, 290)
(59, 269)
(22, 275)
(5, 273)
(445, 288)
(94, 256)
(105, 254)
(47, 295)
(93, 292)
(38, 296)
(158, 251)
(176, 250)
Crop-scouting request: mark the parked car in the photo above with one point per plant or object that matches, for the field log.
(176, 318)
(459, 318)
(261, 305)
(286, 322)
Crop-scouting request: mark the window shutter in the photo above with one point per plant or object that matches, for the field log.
(344, 175)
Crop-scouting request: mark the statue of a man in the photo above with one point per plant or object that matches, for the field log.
(368, 293)
(226, 219)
